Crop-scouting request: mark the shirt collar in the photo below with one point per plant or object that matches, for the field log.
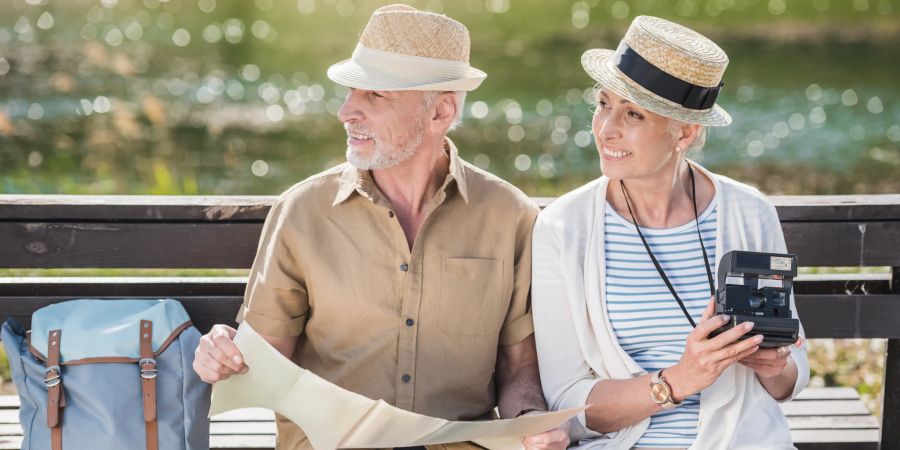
(360, 181)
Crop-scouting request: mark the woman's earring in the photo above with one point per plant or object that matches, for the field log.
(677, 149)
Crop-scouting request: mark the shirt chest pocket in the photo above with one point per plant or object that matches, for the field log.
(470, 303)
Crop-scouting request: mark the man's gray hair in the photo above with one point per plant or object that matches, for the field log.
(429, 97)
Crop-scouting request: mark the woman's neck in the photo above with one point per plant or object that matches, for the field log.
(663, 200)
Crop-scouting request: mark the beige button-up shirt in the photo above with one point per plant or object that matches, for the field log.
(417, 328)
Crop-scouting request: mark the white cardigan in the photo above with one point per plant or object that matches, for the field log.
(576, 344)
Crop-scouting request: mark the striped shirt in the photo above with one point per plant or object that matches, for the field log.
(648, 323)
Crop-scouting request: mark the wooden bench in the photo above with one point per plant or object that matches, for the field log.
(45, 232)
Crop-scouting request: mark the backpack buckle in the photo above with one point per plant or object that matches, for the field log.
(148, 368)
(52, 376)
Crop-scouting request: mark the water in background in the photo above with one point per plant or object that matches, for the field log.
(230, 96)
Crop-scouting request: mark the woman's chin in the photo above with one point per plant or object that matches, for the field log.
(614, 170)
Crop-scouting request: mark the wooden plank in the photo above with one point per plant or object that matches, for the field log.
(245, 442)
(8, 416)
(825, 408)
(890, 406)
(121, 286)
(109, 208)
(233, 245)
(245, 415)
(827, 393)
(823, 316)
(227, 428)
(10, 442)
(836, 445)
(837, 207)
(849, 316)
(860, 230)
(249, 414)
(855, 436)
(848, 243)
(218, 208)
(204, 311)
(128, 245)
(833, 422)
(835, 283)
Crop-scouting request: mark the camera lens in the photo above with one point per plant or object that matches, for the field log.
(757, 301)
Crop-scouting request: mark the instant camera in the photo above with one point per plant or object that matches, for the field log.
(756, 287)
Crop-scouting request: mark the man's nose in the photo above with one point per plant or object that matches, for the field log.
(350, 110)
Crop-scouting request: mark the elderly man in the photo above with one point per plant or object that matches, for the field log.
(403, 274)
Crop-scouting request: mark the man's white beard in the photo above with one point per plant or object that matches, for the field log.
(382, 157)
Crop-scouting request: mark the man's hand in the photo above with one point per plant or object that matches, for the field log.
(217, 358)
(555, 439)
(769, 362)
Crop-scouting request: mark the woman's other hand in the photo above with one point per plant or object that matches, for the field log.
(705, 358)
(770, 362)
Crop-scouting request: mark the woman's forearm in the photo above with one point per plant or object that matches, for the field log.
(616, 404)
(782, 385)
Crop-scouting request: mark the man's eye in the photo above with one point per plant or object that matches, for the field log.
(635, 115)
(603, 104)
(375, 94)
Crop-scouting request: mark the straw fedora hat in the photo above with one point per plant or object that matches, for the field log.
(665, 68)
(403, 49)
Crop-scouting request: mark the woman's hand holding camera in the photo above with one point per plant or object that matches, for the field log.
(705, 358)
(770, 362)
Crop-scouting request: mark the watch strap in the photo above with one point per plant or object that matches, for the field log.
(658, 378)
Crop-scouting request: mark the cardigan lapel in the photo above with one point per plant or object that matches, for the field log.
(616, 361)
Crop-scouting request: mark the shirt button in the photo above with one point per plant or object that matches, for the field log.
(406, 378)
(404, 267)
(410, 322)
(390, 214)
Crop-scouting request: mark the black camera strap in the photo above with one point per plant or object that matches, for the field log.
(662, 274)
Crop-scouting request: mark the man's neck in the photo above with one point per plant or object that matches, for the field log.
(411, 185)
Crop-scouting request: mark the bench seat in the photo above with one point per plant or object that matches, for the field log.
(820, 418)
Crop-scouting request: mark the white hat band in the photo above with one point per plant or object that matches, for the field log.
(397, 67)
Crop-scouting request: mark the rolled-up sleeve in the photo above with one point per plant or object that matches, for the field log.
(276, 301)
(566, 377)
(518, 323)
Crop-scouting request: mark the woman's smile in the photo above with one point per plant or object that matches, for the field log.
(614, 155)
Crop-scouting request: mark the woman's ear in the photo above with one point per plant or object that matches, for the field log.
(686, 135)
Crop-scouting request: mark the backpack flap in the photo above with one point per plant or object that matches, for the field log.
(106, 330)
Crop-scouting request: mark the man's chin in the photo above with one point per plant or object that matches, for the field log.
(358, 159)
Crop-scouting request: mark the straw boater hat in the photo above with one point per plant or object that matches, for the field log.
(665, 68)
(403, 48)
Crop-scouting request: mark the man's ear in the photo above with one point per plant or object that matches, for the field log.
(444, 111)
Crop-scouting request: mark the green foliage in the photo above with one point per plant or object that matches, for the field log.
(856, 363)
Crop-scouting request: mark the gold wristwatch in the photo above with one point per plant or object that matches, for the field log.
(661, 392)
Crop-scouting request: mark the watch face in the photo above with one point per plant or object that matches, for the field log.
(659, 392)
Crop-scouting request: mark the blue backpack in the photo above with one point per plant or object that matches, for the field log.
(109, 374)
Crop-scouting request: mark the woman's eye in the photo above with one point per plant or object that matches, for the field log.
(635, 115)
(377, 95)
(603, 104)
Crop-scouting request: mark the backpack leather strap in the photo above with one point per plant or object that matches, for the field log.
(53, 381)
(148, 384)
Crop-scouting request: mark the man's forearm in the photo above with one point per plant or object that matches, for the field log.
(518, 379)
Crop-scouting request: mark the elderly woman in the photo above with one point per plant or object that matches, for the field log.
(623, 267)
